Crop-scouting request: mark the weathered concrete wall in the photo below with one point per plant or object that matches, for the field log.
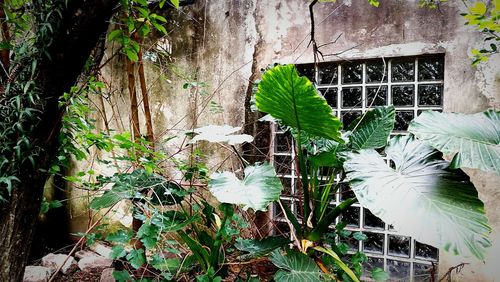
(278, 31)
(226, 43)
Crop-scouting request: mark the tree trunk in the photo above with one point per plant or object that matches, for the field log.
(77, 33)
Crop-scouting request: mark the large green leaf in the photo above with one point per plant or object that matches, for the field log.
(295, 102)
(259, 248)
(372, 129)
(259, 187)
(421, 196)
(295, 267)
(474, 138)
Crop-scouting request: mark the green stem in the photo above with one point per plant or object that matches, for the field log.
(323, 225)
(304, 180)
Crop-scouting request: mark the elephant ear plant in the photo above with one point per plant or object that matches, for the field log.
(421, 194)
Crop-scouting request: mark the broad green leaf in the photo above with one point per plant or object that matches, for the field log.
(373, 128)
(259, 248)
(421, 196)
(295, 267)
(220, 133)
(259, 187)
(475, 139)
(295, 102)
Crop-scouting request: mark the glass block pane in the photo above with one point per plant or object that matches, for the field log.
(351, 97)
(403, 119)
(287, 186)
(403, 95)
(430, 95)
(278, 212)
(283, 142)
(424, 272)
(352, 73)
(283, 164)
(425, 251)
(306, 70)
(375, 72)
(330, 95)
(351, 242)
(374, 243)
(380, 99)
(372, 222)
(398, 270)
(430, 69)
(351, 216)
(399, 245)
(345, 191)
(348, 117)
(371, 263)
(328, 73)
(403, 70)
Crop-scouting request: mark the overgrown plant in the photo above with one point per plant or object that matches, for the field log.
(422, 194)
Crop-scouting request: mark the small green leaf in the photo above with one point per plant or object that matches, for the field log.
(378, 274)
(175, 3)
(122, 276)
(359, 236)
(479, 8)
(117, 252)
(374, 3)
(115, 34)
(120, 236)
(136, 258)
(131, 54)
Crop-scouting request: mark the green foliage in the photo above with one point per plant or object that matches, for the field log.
(135, 21)
(293, 100)
(47, 205)
(259, 248)
(295, 267)
(421, 196)
(473, 140)
(371, 130)
(485, 18)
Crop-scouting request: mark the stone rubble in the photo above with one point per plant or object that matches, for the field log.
(88, 261)
(37, 274)
(54, 261)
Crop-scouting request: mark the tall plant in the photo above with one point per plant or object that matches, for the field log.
(422, 195)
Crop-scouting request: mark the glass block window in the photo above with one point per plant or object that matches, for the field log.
(412, 85)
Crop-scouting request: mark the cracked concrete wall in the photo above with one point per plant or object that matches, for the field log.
(225, 44)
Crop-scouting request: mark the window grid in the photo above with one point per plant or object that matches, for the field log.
(412, 260)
